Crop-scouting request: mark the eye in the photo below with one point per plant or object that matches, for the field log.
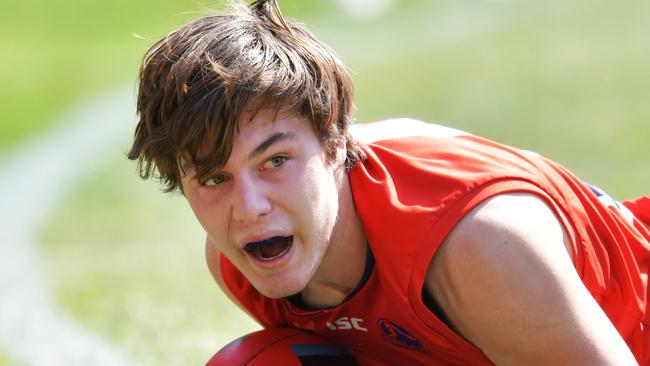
(275, 162)
(216, 180)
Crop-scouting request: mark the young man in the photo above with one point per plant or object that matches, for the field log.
(408, 243)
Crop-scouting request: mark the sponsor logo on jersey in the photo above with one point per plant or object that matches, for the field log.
(399, 336)
(346, 323)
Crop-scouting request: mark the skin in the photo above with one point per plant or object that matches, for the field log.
(278, 181)
(505, 279)
(504, 276)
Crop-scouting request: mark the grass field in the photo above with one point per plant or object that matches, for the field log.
(568, 79)
(55, 52)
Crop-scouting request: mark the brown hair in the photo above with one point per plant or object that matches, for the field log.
(196, 84)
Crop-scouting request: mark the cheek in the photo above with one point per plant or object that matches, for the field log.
(206, 207)
(320, 196)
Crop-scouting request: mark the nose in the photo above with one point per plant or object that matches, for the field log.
(249, 200)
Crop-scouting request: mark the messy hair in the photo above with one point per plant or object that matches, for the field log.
(196, 85)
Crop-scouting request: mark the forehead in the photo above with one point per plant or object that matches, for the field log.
(260, 126)
(255, 130)
(269, 119)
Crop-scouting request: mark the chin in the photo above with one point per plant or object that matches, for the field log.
(274, 294)
(280, 292)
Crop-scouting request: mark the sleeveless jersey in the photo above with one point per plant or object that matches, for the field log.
(418, 181)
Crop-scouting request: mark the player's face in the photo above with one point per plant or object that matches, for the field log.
(272, 208)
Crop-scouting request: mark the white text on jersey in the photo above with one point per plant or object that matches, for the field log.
(345, 323)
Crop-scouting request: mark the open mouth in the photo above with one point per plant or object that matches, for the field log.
(270, 248)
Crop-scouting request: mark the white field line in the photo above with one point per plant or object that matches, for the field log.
(32, 180)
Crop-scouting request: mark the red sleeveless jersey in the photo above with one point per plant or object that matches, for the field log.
(413, 188)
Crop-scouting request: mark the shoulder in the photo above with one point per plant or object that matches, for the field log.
(506, 219)
(400, 128)
(506, 281)
(213, 260)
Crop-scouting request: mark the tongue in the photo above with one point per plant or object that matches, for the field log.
(273, 249)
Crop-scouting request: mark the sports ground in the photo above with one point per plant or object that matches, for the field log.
(100, 265)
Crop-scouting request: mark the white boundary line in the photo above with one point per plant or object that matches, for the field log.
(32, 180)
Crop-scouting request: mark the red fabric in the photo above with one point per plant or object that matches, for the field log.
(409, 193)
(641, 209)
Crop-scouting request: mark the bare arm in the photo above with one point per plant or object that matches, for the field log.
(504, 278)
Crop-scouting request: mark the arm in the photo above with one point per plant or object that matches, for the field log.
(504, 278)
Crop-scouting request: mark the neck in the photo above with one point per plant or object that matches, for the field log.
(343, 266)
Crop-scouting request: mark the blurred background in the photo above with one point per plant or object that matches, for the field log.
(110, 258)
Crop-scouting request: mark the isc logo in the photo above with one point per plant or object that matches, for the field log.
(344, 323)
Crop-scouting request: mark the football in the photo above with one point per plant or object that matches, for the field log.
(282, 346)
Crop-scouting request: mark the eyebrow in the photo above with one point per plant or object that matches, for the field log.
(274, 138)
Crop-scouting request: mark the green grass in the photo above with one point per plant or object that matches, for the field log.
(128, 262)
(567, 79)
(4, 361)
(55, 52)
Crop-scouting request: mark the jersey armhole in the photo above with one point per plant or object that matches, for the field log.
(443, 226)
